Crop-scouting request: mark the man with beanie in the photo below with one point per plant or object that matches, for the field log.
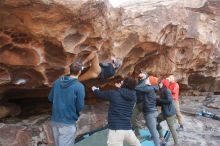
(67, 97)
(139, 104)
(174, 88)
(122, 101)
(149, 106)
(168, 111)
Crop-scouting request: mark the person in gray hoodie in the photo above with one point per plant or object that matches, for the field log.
(122, 101)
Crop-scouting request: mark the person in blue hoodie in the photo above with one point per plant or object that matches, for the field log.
(67, 97)
(122, 101)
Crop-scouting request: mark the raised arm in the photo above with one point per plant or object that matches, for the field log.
(106, 95)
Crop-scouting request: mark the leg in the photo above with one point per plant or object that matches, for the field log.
(131, 138)
(136, 111)
(115, 138)
(90, 57)
(67, 135)
(55, 134)
(151, 122)
(160, 118)
(170, 122)
(94, 70)
(178, 113)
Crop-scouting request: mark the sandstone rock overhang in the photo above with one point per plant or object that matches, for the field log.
(39, 39)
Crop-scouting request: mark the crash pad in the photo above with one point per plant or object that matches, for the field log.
(100, 139)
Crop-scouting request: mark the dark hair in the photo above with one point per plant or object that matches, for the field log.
(75, 68)
(129, 83)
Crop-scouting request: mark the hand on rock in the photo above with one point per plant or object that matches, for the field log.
(118, 85)
(94, 88)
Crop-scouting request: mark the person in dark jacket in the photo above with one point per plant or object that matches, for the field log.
(122, 102)
(99, 70)
(139, 104)
(168, 110)
(149, 108)
(67, 97)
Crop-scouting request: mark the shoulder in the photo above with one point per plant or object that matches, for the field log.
(57, 81)
(176, 84)
(79, 84)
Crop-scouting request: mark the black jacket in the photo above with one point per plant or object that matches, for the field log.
(122, 102)
(149, 102)
(107, 71)
(166, 99)
(140, 95)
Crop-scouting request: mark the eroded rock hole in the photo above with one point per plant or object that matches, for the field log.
(24, 103)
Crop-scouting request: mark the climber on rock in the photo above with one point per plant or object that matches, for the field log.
(99, 70)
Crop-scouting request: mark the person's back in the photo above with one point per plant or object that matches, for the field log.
(168, 111)
(168, 107)
(120, 110)
(67, 97)
(107, 71)
(122, 102)
(66, 103)
(174, 88)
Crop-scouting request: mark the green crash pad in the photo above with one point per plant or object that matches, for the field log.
(100, 139)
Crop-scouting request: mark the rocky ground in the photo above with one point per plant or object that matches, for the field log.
(36, 131)
(198, 130)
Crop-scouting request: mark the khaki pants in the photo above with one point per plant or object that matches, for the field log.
(170, 122)
(116, 138)
(137, 110)
(178, 113)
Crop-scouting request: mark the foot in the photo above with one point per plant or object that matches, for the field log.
(180, 128)
(143, 138)
(162, 140)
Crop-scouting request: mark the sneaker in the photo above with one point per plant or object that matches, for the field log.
(180, 128)
(143, 138)
(162, 140)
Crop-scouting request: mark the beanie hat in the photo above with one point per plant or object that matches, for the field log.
(153, 80)
(165, 82)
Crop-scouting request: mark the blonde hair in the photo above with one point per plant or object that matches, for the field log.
(171, 78)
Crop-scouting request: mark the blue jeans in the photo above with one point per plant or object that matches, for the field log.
(64, 134)
(151, 123)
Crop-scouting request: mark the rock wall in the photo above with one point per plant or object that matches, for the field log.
(40, 38)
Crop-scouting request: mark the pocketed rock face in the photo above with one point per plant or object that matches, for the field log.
(39, 39)
(162, 37)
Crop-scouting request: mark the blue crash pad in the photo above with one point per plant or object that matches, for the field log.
(100, 139)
